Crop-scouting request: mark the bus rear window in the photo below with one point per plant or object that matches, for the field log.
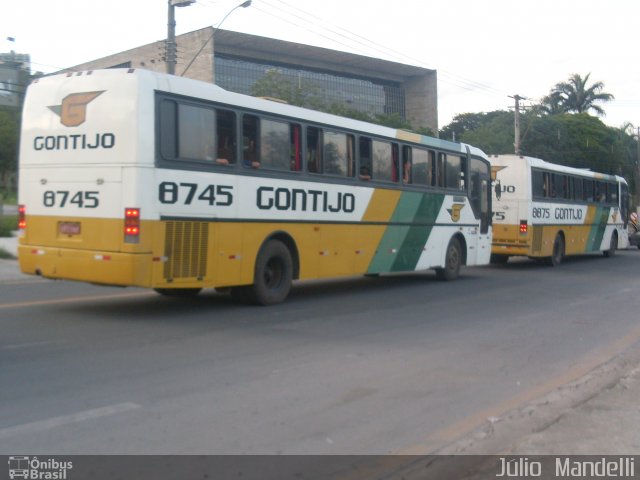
(196, 133)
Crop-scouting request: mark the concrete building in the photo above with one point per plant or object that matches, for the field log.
(236, 61)
(14, 77)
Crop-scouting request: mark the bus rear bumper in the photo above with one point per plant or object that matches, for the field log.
(108, 268)
(510, 249)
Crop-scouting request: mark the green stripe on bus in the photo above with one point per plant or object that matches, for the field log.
(402, 245)
(597, 231)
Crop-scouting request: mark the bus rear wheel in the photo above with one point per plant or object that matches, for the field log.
(273, 274)
(452, 262)
(613, 246)
(558, 251)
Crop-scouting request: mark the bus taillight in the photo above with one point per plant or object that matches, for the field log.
(22, 218)
(523, 227)
(132, 225)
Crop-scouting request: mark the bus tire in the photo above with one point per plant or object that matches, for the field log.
(452, 262)
(178, 292)
(273, 274)
(613, 246)
(557, 254)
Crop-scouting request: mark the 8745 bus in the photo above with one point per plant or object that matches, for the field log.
(129, 177)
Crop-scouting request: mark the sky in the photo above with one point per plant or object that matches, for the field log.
(484, 50)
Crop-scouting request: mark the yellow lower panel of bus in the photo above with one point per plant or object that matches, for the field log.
(507, 240)
(538, 242)
(87, 266)
(187, 253)
(224, 254)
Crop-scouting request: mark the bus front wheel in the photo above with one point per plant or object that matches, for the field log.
(452, 262)
(273, 274)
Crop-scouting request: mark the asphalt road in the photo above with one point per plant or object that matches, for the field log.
(396, 364)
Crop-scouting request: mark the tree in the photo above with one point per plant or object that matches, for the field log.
(8, 147)
(489, 131)
(575, 95)
(276, 85)
(576, 140)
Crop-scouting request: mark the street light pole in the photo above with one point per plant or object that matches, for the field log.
(171, 55)
(516, 122)
(242, 5)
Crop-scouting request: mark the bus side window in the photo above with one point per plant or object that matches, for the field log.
(314, 150)
(196, 126)
(440, 166)
(588, 191)
(250, 141)
(578, 193)
(454, 172)
(559, 186)
(365, 159)
(384, 162)
(275, 149)
(612, 194)
(422, 166)
(537, 184)
(168, 126)
(407, 166)
(600, 193)
(296, 148)
(337, 158)
(226, 137)
(547, 185)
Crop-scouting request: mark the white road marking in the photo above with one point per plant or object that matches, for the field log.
(41, 425)
(17, 346)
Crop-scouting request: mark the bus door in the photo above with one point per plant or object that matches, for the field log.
(480, 193)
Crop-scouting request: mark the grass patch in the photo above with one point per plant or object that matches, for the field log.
(8, 224)
(9, 198)
(4, 255)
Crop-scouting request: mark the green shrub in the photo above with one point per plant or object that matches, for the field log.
(8, 224)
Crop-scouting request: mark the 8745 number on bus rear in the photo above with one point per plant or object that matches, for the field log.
(63, 198)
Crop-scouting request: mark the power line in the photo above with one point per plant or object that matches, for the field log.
(445, 76)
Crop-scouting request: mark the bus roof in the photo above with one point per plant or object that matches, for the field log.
(542, 164)
(203, 90)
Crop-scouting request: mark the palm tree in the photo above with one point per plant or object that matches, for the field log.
(576, 96)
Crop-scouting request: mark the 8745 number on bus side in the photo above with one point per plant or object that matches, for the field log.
(185, 194)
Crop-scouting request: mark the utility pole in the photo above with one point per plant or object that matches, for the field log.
(171, 54)
(516, 142)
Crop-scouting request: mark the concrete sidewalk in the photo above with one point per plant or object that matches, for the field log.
(9, 270)
(10, 244)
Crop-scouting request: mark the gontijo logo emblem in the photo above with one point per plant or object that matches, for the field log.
(73, 109)
(454, 211)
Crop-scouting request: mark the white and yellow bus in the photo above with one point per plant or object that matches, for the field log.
(134, 178)
(546, 211)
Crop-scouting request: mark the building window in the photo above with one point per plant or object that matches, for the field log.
(363, 95)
